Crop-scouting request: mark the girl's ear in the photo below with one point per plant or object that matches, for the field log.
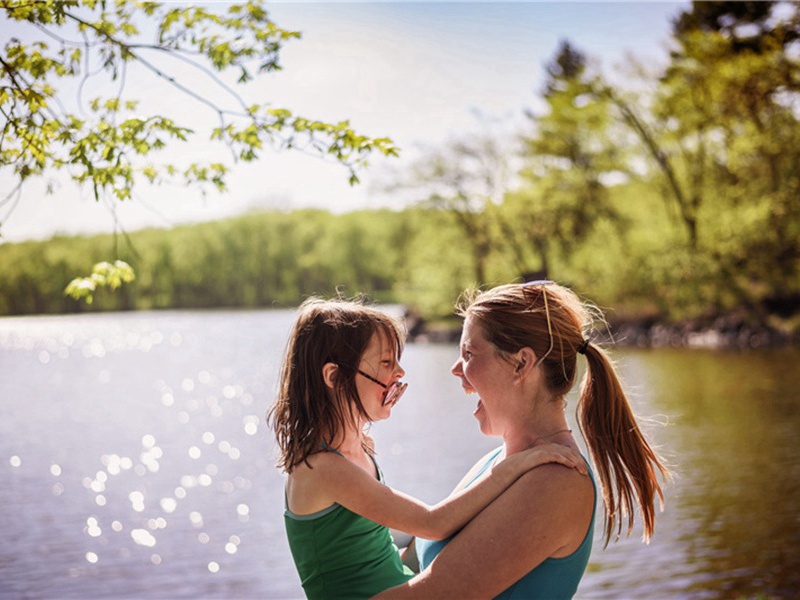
(329, 374)
(525, 359)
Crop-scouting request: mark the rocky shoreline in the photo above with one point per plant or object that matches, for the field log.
(728, 332)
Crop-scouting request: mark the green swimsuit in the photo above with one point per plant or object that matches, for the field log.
(339, 554)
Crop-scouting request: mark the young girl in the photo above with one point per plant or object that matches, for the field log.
(341, 372)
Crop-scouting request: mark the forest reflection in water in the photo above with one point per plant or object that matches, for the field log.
(134, 460)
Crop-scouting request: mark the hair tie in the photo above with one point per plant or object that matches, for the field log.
(583, 346)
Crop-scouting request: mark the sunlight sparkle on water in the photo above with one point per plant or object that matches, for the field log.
(143, 537)
(251, 424)
(92, 528)
(91, 557)
(213, 567)
(15, 461)
(188, 481)
(137, 500)
(55, 470)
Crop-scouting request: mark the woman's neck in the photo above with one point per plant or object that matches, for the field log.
(546, 424)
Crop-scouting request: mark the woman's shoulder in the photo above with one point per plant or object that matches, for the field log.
(479, 466)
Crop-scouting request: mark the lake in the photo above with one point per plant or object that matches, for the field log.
(135, 460)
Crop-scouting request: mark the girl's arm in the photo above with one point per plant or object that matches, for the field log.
(546, 513)
(352, 487)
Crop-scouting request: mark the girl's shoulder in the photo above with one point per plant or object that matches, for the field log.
(314, 464)
(307, 488)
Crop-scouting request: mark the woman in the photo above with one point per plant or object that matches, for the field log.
(519, 348)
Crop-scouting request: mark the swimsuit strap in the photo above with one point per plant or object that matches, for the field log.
(328, 448)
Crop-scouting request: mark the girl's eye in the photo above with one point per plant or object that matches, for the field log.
(467, 353)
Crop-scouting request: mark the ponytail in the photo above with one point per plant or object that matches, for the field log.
(625, 462)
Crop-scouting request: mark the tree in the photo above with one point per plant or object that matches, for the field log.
(569, 160)
(467, 177)
(723, 128)
(104, 142)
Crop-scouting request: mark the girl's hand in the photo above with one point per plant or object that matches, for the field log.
(551, 453)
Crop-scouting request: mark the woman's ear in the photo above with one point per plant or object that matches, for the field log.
(329, 370)
(525, 359)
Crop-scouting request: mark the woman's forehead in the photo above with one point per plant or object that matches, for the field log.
(473, 332)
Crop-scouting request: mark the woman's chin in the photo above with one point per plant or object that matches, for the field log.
(480, 414)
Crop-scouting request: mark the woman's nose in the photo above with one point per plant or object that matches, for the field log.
(456, 368)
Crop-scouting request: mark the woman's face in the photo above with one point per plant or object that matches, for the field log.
(379, 361)
(482, 371)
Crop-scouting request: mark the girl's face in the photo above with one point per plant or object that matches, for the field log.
(482, 371)
(379, 361)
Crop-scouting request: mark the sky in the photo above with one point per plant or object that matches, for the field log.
(417, 72)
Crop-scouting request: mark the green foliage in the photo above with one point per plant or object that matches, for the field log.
(105, 143)
(104, 275)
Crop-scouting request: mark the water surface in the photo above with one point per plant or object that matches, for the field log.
(135, 461)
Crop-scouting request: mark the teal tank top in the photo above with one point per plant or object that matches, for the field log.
(553, 579)
(340, 554)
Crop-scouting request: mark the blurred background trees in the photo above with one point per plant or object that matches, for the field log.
(680, 202)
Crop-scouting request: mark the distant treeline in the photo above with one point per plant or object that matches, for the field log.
(417, 257)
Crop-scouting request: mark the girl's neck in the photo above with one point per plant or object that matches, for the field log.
(350, 441)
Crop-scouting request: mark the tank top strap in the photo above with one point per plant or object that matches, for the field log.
(329, 448)
(492, 457)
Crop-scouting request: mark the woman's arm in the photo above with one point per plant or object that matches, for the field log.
(352, 487)
(546, 513)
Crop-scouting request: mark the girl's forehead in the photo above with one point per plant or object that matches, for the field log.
(379, 343)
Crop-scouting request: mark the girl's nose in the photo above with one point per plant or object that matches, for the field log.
(401, 371)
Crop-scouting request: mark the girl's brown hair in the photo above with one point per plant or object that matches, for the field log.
(516, 316)
(305, 416)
